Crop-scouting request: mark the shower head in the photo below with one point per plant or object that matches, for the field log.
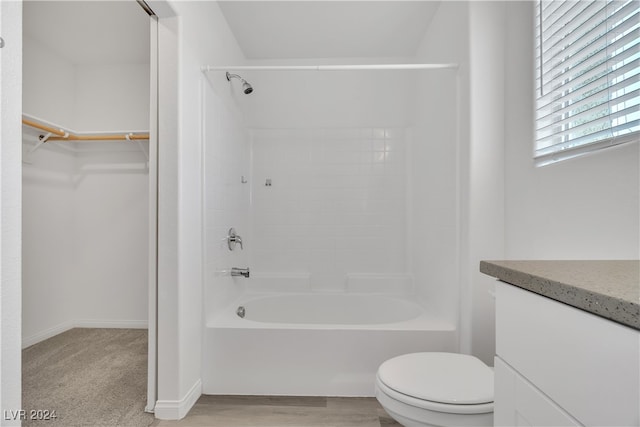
(246, 87)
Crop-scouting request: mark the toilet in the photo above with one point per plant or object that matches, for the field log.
(436, 389)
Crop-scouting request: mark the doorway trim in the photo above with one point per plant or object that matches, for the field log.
(152, 360)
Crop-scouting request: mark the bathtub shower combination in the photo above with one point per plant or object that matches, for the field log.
(348, 266)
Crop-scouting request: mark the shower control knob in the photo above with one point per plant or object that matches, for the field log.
(240, 312)
(233, 239)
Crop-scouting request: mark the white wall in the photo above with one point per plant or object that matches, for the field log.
(299, 99)
(10, 206)
(48, 244)
(51, 93)
(111, 214)
(198, 36)
(112, 197)
(584, 208)
(85, 97)
(48, 282)
(112, 96)
(86, 265)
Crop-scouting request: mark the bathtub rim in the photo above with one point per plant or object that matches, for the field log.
(427, 320)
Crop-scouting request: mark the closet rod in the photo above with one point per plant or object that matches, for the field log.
(45, 128)
(126, 137)
(61, 135)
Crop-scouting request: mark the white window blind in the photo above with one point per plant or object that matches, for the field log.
(588, 76)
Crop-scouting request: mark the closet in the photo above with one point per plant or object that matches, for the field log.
(85, 213)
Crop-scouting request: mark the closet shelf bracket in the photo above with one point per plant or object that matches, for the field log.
(41, 140)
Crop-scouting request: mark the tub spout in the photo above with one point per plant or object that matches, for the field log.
(240, 272)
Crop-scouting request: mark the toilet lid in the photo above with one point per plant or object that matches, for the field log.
(450, 378)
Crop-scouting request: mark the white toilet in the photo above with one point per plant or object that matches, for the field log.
(436, 389)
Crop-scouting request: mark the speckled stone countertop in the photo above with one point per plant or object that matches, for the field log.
(610, 289)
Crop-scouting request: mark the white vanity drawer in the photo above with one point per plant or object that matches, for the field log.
(588, 365)
(522, 404)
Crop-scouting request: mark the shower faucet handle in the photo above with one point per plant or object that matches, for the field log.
(244, 272)
(233, 238)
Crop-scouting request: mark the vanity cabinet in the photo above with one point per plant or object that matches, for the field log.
(557, 365)
(523, 404)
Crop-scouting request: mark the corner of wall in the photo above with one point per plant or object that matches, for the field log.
(486, 196)
(168, 320)
(178, 409)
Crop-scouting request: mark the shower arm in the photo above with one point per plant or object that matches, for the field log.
(234, 76)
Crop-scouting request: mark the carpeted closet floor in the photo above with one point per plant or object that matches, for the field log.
(89, 377)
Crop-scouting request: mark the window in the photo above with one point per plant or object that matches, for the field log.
(588, 76)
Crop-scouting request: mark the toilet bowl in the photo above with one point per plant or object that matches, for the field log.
(436, 389)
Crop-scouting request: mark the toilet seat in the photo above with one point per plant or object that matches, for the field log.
(482, 408)
(443, 382)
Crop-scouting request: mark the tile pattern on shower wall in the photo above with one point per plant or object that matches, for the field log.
(336, 203)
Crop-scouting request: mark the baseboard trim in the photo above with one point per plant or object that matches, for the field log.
(116, 324)
(86, 323)
(178, 409)
(47, 333)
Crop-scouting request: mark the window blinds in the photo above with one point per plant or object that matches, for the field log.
(588, 76)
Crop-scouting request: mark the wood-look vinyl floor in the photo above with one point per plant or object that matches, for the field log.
(277, 411)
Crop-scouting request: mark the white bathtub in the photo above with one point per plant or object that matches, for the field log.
(330, 309)
(315, 344)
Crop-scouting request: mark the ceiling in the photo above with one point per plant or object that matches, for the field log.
(117, 32)
(90, 32)
(328, 29)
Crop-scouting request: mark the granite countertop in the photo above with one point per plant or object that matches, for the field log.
(610, 289)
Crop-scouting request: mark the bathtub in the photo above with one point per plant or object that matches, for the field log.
(315, 344)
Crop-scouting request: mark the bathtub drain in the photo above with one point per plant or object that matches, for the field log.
(240, 312)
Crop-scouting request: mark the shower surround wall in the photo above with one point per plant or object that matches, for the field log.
(334, 146)
(226, 160)
(333, 179)
(329, 209)
(364, 191)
